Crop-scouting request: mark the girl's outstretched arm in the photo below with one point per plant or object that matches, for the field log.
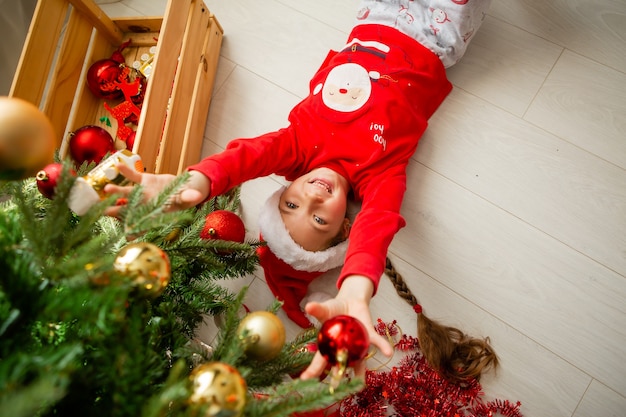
(194, 192)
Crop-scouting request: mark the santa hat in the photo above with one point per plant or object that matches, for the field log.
(285, 248)
(288, 267)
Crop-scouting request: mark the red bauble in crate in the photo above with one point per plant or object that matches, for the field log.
(224, 225)
(130, 140)
(103, 75)
(48, 178)
(343, 340)
(90, 143)
(102, 79)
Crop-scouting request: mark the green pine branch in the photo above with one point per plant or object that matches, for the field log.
(299, 396)
(79, 339)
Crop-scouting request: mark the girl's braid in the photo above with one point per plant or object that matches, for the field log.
(454, 354)
(399, 284)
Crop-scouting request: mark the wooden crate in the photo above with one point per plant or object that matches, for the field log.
(67, 36)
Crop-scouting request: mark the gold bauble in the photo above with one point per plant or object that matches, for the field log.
(173, 235)
(27, 139)
(220, 388)
(147, 265)
(263, 335)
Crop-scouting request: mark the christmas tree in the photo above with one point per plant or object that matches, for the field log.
(98, 315)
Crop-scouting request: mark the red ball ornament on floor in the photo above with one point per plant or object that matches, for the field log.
(90, 143)
(223, 225)
(343, 338)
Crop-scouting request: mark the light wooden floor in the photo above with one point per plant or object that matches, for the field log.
(516, 206)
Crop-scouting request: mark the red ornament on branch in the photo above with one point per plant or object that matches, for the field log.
(343, 339)
(48, 178)
(223, 225)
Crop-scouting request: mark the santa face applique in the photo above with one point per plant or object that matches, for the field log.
(347, 88)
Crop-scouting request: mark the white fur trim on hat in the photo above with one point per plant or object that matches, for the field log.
(285, 248)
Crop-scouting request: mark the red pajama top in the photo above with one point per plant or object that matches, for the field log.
(397, 85)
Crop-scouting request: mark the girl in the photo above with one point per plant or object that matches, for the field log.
(368, 106)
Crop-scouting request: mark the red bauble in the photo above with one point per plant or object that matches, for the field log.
(223, 225)
(90, 143)
(343, 335)
(130, 140)
(102, 77)
(48, 178)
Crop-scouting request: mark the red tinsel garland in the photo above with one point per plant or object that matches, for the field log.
(414, 389)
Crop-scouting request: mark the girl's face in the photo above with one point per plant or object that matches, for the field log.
(313, 209)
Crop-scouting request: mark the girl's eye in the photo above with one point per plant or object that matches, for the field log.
(290, 205)
(319, 220)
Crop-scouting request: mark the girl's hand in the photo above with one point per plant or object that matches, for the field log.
(353, 300)
(194, 192)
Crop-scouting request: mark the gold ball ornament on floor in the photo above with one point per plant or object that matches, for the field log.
(220, 388)
(27, 139)
(263, 335)
(147, 265)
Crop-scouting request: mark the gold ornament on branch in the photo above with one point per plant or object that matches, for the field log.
(263, 335)
(219, 388)
(146, 264)
(27, 139)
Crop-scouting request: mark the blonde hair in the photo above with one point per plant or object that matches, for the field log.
(455, 355)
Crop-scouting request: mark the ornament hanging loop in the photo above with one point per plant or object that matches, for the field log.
(339, 370)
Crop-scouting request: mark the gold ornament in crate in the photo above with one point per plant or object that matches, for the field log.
(146, 264)
(220, 388)
(263, 335)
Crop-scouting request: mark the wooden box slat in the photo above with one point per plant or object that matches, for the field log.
(183, 86)
(201, 100)
(65, 77)
(67, 36)
(99, 20)
(38, 53)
